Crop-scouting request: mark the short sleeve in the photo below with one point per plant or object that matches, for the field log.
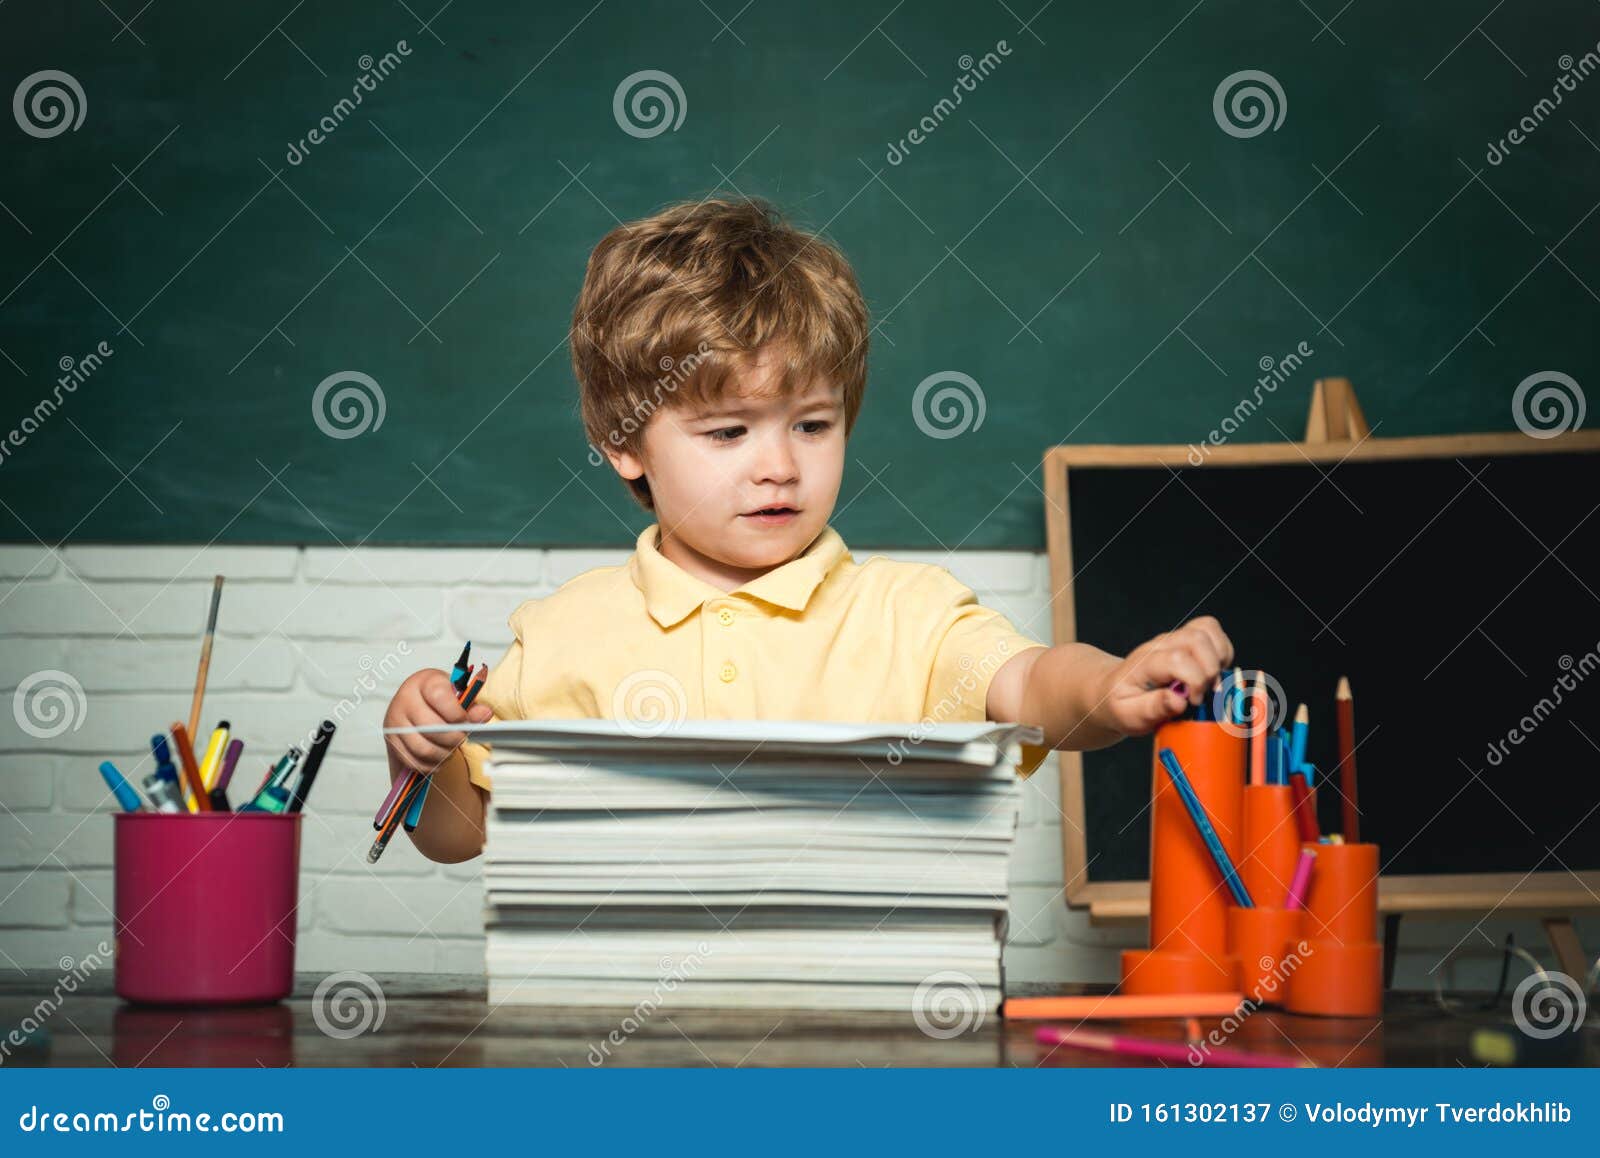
(973, 642)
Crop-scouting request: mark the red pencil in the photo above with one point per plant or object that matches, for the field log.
(1305, 814)
(1346, 706)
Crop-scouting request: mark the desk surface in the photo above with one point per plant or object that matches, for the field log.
(435, 1020)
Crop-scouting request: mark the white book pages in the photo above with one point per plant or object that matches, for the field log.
(630, 995)
(978, 743)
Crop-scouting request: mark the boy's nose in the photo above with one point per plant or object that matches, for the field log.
(777, 462)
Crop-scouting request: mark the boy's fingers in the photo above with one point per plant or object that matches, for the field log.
(1148, 711)
(1177, 663)
(441, 697)
(1220, 642)
(426, 752)
(480, 713)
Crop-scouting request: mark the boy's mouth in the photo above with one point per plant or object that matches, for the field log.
(772, 516)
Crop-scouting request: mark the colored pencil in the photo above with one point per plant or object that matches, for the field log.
(475, 686)
(1202, 822)
(1258, 736)
(1346, 705)
(1301, 879)
(1122, 1006)
(205, 658)
(1167, 1051)
(196, 798)
(1305, 813)
(1239, 696)
(1297, 739)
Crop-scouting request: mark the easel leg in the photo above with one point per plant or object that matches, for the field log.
(1391, 946)
(1569, 953)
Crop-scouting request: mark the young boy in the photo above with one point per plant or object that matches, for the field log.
(721, 359)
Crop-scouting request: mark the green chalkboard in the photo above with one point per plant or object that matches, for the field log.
(1093, 235)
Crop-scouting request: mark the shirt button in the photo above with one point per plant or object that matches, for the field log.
(727, 673)
(725, 617)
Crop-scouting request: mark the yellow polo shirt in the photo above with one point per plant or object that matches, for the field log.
(821, 637)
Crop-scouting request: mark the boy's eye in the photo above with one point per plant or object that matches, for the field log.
(725, 434)
(815, 425)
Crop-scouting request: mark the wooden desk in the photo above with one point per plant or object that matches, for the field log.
(434, 1020)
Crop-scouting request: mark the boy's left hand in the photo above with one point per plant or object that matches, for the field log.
(1137, 696)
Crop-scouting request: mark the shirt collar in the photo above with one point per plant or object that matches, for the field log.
(670, 593)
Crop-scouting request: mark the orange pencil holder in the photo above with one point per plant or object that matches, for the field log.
(1188, 901)
(1340, 974)
(1265, 942)
(1271, 843)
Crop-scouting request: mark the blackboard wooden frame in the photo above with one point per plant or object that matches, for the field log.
(1544, 893)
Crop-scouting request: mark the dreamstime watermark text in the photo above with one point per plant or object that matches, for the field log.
(1573, 73)
(1275, 371)
(973, 73)
(74, 373)
(373, 73)
(1573, 673)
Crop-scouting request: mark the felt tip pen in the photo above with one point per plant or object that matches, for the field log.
(285, 768)
(462, 670)
(414, 813)
(308, 773)
(1163, 1051)
(271, 799)
(127, 795)
(230, 761)
(163, 793)
(211, 762)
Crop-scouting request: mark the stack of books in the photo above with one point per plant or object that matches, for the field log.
(749, 863)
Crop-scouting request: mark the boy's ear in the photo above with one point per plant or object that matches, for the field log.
(625, 462)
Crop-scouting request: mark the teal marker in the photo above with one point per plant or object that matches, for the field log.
(127, 795)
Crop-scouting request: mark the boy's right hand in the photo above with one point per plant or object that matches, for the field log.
(426, 698)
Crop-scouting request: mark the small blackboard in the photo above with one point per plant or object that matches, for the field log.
(1453, 580)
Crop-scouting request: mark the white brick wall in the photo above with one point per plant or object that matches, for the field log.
(298, 627)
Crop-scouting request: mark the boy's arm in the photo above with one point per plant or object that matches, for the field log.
(453, 813)
(1085, 698)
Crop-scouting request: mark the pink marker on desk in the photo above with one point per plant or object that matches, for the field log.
(1162, 1050)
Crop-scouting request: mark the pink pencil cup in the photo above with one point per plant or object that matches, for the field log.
(205, 906)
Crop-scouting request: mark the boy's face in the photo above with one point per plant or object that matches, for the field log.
(746, 481)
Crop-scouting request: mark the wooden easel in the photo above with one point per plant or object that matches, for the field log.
(1335, 416)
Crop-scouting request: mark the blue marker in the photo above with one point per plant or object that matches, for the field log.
(1202, 822)
(127, 795)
